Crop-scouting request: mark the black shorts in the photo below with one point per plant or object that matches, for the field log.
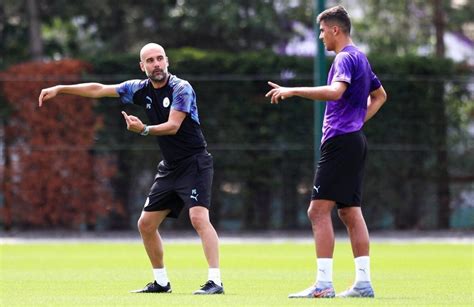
(184, 183)
(340, 170)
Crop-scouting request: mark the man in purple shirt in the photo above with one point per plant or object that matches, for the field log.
(353, 94)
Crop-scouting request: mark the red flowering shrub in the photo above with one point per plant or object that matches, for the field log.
(51, 175)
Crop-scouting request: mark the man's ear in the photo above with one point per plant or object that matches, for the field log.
(141, 66)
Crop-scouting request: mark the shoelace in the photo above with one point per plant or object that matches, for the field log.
(207, 285)
(150, 284)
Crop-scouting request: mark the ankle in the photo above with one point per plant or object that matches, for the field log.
(324, 284)
(362, 284)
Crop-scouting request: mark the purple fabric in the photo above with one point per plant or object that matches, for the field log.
(347, 114)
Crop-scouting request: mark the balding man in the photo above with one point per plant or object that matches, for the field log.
(184, 176)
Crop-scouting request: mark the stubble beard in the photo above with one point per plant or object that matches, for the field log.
(158, 75)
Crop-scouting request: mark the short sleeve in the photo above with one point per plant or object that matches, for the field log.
(342, 68)
(183, 97)
(127, 89)
(374, 82)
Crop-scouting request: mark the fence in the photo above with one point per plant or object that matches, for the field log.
(420, 156)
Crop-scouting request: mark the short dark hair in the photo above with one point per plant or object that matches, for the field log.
(337, 14)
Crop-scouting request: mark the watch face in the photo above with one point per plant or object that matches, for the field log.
(145, 131)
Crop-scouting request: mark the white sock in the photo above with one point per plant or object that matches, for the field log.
(215, 275)
(362, 267)
(324, 270)
(160, 276)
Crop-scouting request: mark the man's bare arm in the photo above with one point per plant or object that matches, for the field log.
(324, 93)
(374, 102)
(169, 127)
(92, 90)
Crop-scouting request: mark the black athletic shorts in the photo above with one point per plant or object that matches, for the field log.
(340, 170)
(184, 183)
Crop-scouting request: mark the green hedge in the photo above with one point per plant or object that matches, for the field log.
(266, 151)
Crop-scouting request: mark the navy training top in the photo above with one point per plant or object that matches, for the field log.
(177, 94)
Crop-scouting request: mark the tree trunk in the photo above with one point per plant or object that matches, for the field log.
(7, 193)
(2, 28)
(442, 173)
(34, 25)
(439, 23)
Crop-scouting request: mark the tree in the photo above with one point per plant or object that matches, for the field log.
(442, 170)
(36, 40)
(424, 23)
(13, 33)
(96, 27)
(51, 176)
(383, 22)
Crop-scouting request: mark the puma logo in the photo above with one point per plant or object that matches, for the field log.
(148, 105)
(194, 195)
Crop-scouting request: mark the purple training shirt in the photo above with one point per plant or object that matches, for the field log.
(347, 114)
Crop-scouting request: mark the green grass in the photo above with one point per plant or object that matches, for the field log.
(101, 274)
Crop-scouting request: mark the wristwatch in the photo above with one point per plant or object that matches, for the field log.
(145, 131)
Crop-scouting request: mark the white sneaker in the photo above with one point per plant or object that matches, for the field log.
(364, 290)
(314, 292)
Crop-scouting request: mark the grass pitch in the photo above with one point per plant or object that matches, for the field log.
(102, 274)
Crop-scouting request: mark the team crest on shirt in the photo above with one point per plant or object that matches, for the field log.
(166, 102)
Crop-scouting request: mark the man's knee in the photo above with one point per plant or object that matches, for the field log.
(145, 225)
(199, 218)
(350, 215)
(343, 214)
(319, 209)
(313, 213)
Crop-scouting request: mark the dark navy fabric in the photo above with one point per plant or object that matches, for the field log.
(177, 94)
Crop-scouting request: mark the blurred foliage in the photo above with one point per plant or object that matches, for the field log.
(90, 27)
(263, 153)
(398, 27)
(405, 27)
(110, 26)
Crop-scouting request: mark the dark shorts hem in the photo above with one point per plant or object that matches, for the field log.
(182, 185)
(339, 203)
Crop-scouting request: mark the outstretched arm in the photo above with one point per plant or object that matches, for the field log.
(171, 127)
(92, 90)
(326, 92)
(375, 101)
